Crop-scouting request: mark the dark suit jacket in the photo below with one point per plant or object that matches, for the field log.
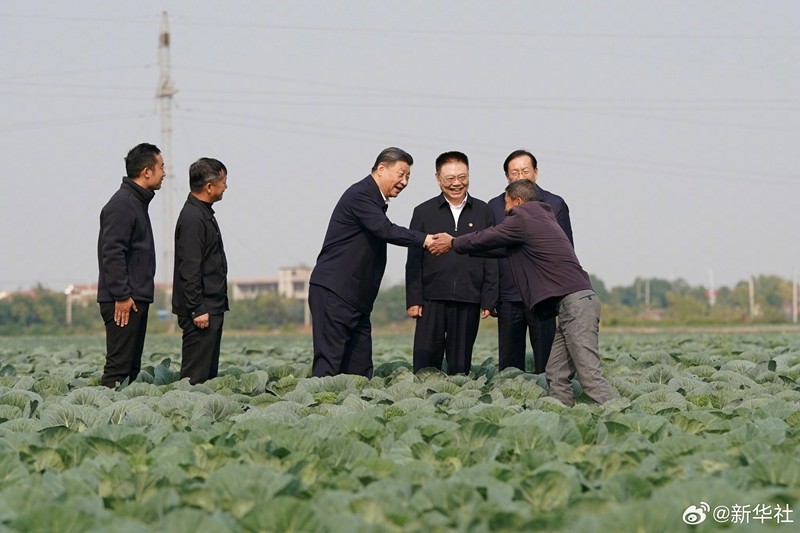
(450, 277)
(200, 283)
(508, 291)
(543, 263)
(353, 256)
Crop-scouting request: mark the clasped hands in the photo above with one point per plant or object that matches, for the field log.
(439, 244)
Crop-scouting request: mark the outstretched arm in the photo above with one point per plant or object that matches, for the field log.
(508, 233)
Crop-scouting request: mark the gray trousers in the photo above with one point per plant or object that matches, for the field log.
(575, 350)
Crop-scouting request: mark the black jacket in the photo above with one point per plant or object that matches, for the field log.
(450, 277)
(508, 289)
(200, 282)
(126, 253)
(353, 256)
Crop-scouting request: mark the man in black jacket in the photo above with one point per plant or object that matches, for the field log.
(513, 317)
(448, 295)
(350, 266)
(127, 262)
(200, 284)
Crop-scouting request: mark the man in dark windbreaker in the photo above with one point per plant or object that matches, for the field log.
(447, 295)
(127, 262)
(200, 285)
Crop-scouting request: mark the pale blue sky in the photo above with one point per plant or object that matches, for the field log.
(670, 128)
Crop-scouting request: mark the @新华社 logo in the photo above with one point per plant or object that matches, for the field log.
(696, 514)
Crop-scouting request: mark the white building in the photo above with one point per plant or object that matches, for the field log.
(292, 282)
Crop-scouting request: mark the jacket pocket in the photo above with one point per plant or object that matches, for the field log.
(141, 269)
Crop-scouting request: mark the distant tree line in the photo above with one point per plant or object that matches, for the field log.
(645, 302)
(656, 300)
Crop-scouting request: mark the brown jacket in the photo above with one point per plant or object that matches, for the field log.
(543, 263)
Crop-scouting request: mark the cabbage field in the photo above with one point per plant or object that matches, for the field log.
(703, 437)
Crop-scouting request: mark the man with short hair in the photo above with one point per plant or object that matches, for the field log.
(513, 318)
(200, 284)
(126, 255)
(350, 266)
(551, 282)
(447, 295)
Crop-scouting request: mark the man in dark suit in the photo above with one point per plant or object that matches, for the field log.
(126, 254)
(513, 318)
(551, 282)
(448, 294)
(350, 266)
(200, 284)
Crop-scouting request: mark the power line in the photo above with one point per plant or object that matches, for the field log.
(50, 73)
(671, 169)
(242, 23)
(68, 121)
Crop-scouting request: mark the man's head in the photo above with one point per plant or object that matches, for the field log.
(520, 191)
(392, 170)
(208, 179)
(145, 166)
(452, 175)
(520, 164)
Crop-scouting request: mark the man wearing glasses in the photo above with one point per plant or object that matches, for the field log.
(513, 317)
(448, 294)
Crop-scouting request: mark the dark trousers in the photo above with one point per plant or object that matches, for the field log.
(200, 348)
(446, 328)
(124, 345)
(341, 333)
(513, 320)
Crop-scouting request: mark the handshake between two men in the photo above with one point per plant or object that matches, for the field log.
(439, 244)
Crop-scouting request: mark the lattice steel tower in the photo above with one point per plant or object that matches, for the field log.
(164, 93)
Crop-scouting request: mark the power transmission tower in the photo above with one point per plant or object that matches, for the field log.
(164, 93)
(794, 298)
(712, 290)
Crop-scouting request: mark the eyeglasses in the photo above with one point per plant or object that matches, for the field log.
(525, 172)
(447, 180)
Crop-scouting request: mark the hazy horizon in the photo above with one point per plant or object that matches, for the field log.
(670, 128)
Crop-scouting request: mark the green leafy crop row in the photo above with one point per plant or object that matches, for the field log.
(264, 447)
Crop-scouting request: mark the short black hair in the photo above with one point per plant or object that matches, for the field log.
(447, 157)
(515, 154)
(140, 157)
(524, 190)
(205, 170)
(391, 156)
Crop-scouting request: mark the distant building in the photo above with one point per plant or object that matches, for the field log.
(82, 293)
(292, 282)
(30, 293)
(85, 294)
(249, 288)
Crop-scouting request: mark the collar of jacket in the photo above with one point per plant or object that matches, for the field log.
(143, 194)
(374, 186)
(205, 207)
(443, 201)
(380, 198)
